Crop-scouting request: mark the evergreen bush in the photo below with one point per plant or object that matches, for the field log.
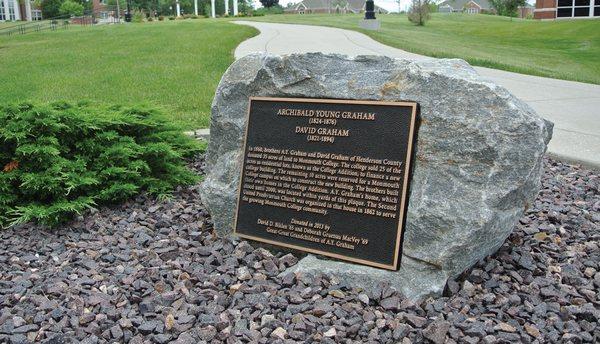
(138, 16)
(58, 160)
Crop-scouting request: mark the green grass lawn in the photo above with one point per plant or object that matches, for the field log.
(175, 65)
(563, 49)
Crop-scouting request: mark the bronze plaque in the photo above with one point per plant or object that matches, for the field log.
(327, 176)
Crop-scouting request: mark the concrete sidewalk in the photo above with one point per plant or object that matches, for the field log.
(574, 107)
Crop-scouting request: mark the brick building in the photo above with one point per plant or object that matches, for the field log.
(559, 9)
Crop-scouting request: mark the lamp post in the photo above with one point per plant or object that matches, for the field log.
(128, 13)
(370, 9)
(369, 22)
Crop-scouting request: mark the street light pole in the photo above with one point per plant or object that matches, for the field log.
(370, 9)
(128, 14)
(369, 22)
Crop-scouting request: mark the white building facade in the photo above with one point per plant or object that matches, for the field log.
(11, 10)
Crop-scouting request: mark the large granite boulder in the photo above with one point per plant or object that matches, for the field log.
(478, 156)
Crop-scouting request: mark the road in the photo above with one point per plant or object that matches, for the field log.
(574, 107)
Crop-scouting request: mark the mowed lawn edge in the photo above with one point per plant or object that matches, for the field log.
(562, 49)
(173, 65)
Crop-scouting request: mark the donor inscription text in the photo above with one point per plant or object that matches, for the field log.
(327, 176)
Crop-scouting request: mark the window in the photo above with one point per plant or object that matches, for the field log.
(472, 10)
(36, 14)
(11, 11)
(577, 8)
(2, 11)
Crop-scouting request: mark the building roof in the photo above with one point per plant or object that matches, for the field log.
(353, 5)
(460, 4)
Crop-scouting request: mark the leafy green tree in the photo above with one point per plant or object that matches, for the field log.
(507, 8)
(269, 3)
(275, 9)
(419, 12)
(51, 8)
(71, 9)
(87, 5)
(433, 7)
(245, 6)
(113, 4)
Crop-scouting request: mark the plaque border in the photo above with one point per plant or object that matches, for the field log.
(409, 151)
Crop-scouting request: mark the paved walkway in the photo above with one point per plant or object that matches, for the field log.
(574, 107)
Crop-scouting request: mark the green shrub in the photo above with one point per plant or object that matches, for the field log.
(171, 18)
(161, 18)
(71, 9)
(138, 16)
(58, 160)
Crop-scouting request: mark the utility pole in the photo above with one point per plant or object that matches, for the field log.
(118, 12)
(196, 7)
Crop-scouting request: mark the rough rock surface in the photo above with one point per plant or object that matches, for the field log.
(478, 157)
(152, 272)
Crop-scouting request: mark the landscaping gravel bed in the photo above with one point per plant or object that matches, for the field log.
(152, 272)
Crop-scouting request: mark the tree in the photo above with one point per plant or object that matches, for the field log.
(87, 5)
(269, 3)
(433, 7)
(71, 8)
(419, 12)
(113, 3)
(507, 7)
(51, 8)
(245, 6)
